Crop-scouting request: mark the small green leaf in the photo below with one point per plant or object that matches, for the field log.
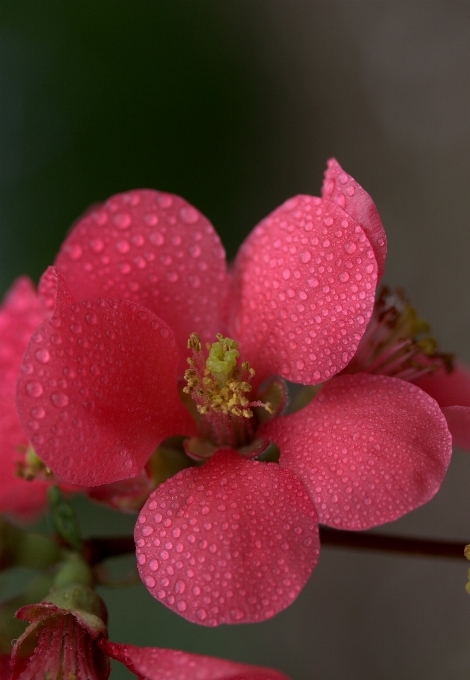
(64, 519)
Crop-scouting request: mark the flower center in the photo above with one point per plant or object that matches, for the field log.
(397, 342)
(219, 387)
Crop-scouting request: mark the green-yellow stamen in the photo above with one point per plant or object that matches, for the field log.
(222, 359)
(219, 386)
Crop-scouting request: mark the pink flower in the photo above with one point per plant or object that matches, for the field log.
(397, 343)
(20, 314)
(452, 393)
(236, 539)
(63, 643)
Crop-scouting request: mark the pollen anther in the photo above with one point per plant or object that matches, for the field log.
(219, 386)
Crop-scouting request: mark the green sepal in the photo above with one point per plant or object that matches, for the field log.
(64, 519)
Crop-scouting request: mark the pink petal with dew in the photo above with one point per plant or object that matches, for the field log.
(343, 190)
(53, 292)
(369, 448)
(304, 287)
(19, 316)
(154, 249)
(97, 391)
(233, 541)
(152, 663)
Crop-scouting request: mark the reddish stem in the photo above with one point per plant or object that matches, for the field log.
(364, 540)
(99, 549)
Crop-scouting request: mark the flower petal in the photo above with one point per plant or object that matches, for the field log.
(19, 316)
(343, 190)
(97, 391)
(233, 541)
(304, 286)
(154, 249)
(458, 421)
(53, 292)
(448, 389)
(368, 448)
(452, 393)
(152, 663)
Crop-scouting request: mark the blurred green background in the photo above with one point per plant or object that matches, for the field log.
(236, 105)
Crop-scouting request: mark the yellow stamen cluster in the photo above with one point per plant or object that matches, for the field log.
(218, 384)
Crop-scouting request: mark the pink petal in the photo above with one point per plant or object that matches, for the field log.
(154, 249)
(97, 391)
(53, 292)
(452, 393)
(369, 448)
(152, 663)
(5, 670)
(458, 422)
(304, 286)
(343, 190)
(233, 541)
(19, 316)
(448, 389)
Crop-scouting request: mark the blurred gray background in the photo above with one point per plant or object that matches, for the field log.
(236, 105)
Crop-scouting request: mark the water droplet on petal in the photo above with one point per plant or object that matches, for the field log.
(189, 214)
(34, 389)
(59, 399)
(42, 355)
(122, 220)
(73, 250)
(97, 245)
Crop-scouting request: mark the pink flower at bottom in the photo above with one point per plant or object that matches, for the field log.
(60, 643)
(233, 540)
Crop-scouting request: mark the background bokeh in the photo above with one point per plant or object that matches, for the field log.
(236, 105)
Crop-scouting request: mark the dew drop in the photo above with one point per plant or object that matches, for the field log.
(189, 214)
(154, 565)
(122, 220)
(34, 389)
(42, 355)
(350, 247)
(123, 246)
(38, 413)
(149, 581)
(59, 399)
(97, 245)
(165, 200)
(74, 251)
(194, 250)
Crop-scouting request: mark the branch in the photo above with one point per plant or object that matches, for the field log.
(98, 549)
(364, 540)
